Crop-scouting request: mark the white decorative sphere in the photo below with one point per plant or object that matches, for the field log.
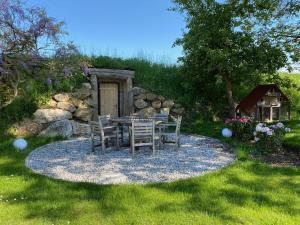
(226, 133)
(20, 144)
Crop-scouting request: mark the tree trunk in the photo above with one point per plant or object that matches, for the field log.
(229, 95)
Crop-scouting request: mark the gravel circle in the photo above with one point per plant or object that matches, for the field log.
(72, 161)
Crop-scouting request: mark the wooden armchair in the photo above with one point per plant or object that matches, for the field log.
(102, 132)
(165, 132)
(142, 134)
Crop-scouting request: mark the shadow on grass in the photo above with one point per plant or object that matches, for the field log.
(245, 184)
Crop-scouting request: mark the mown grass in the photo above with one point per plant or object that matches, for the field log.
(292, 139)
(246, 192)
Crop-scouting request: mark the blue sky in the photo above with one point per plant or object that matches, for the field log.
(122, 28)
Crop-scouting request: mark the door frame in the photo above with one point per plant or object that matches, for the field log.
(99, 94)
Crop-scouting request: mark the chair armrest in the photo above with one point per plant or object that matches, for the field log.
(110, 127)
(167, 124)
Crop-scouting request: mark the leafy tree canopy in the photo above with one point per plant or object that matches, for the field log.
(236, 42)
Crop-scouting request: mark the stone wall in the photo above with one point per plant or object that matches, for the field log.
(147, 103)
(67, 114)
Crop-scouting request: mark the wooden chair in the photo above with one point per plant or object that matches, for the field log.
(164, 134)
(102, 131)
(142, 134)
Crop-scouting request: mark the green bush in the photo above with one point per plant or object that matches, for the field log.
(20, 108)
(269, 139)
(242, 128)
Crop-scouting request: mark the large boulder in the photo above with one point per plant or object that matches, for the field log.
(61, 97)
(82, 93)
(50, 115)
(156, 104)
(83, 114)
(66, 106)
(61, 128)
(151, 96)
(25, 127)
(161, 98)
(147, 112)
(138, 91)
(81, 129)
(168, 104)
(140, 104)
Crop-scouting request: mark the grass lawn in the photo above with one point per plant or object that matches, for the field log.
(292, 139)
(247, 192)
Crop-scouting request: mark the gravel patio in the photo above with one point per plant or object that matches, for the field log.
(70, 160)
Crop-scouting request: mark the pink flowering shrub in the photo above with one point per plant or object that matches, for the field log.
(242, 128)
(269, 138)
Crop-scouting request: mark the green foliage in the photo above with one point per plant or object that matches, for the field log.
(292, 139)
(242, 128)
(19, 109)
(229, 44)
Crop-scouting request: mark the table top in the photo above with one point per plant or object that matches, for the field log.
(128, 121)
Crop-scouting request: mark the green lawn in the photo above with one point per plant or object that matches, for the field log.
(247, 192)
(292, 139)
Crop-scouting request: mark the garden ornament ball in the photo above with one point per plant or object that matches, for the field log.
(226, 133)
(20, 144)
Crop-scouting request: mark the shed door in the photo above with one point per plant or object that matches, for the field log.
(109, 99)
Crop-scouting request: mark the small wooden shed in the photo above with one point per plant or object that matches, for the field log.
(266, 103)
(111, 91)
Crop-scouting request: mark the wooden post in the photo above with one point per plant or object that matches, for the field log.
(271, 114)
(94, 84)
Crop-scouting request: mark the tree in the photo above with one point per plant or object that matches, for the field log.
(26, 33)
(234, 42)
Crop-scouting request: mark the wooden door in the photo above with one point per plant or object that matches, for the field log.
(109, 99)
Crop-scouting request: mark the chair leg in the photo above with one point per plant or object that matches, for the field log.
(153, 146)
(93, 147)
(103, 146)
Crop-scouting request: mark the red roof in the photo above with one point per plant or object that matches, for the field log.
(257, 94)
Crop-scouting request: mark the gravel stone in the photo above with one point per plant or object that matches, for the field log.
(72, 161)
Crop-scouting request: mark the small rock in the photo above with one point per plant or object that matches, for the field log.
(66, 106)
(140, 104)
(151, 96)
(82, 93)
(156, 104)
(177, 111)
(141, 96)
(165, 111)
(138, 91)
(89, 102)
(58, 128)
(51, 103)
(86, 85)
(61, 97)
(50, 115)
(79, 103)
(168, 104)
(161, 98)
(147, 112)
(83, 114)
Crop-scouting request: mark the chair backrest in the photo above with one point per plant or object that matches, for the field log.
(178, 125)
(143, 128)
(96, 128)
(161, 117)
(105, 120)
